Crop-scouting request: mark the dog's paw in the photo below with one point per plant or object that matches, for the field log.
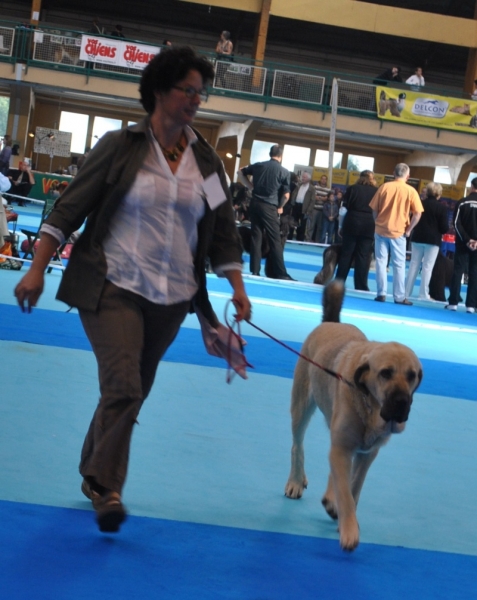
(349, 535)
(294, 489)
(330, 507)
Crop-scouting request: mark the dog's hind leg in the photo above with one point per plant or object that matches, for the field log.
(302, 409)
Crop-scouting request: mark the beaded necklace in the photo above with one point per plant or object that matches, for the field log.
(173, 154)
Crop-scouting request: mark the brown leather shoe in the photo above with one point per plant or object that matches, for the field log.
(406, 302)
(110, 512)
(380, 298)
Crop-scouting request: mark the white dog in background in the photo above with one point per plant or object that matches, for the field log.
(361, 413)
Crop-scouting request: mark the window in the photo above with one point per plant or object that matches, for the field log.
(442, 175)
(322, 159)
(295, 155)
(469, 179)
(260, 151)
(360, 163)
(77, 125)
(101, 125)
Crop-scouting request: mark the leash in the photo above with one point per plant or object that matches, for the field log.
(237, 335)
(325, 369)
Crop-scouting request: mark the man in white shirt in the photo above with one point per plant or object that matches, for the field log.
(417, 78)
(303, 204)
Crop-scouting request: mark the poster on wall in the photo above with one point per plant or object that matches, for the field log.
(116, 53)
(52, 142)
(420, 108)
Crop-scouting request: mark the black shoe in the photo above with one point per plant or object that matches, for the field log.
(380, 298)
(406, 302)
(256, 274)
(287, 278)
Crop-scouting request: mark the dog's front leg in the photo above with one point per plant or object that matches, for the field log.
(361, 463)
(341, 460)
(302, 411)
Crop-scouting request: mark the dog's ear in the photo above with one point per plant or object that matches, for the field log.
(419, 379)
(360, 376)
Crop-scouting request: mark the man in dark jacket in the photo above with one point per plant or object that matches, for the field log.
(465, 223)
(270, 192)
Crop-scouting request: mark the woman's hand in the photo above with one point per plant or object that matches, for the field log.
(240, 299)
(29, 289)
(242, 305)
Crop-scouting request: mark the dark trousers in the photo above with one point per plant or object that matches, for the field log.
(264, 216)
(462, 258)
(129, 335)
(300, 220)
(361, 248)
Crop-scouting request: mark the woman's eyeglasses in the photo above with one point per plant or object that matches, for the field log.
(191, 92)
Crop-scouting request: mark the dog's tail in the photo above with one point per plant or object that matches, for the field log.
(333, 295)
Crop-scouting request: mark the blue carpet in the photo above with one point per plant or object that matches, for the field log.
(64, 330)
(56, 553)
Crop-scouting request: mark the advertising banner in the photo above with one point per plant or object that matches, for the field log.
(419, 108)
(116, 53)
(354, 176)
(340, 176)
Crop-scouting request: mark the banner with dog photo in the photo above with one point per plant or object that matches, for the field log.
(420, 108)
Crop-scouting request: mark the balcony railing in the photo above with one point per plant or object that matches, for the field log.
(267, 82)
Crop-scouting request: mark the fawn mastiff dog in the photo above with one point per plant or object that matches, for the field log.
(361, 413)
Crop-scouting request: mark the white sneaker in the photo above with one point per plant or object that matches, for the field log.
(451, 306)
(470, 309)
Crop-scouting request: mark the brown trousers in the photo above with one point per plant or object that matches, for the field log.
(129, 336)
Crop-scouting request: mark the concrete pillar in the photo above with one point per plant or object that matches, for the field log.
(22, 104)
(236, 139)
(471, 69)
(455, 162)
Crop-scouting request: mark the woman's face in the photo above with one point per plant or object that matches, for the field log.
(176, 105)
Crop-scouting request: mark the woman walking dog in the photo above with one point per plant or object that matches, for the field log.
(157, 205)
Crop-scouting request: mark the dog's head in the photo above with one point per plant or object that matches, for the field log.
(390, 373)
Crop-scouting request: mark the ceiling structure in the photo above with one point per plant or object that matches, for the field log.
(289, 40)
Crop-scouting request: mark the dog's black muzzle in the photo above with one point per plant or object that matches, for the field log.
(396, 407)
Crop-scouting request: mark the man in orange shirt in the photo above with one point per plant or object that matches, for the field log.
(392, 206)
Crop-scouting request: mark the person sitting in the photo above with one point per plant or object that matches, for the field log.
(22, 180)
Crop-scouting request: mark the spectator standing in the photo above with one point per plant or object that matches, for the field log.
(270, 192)
(330, 219)
(474, 93)
(465, 223)
(417, 78)
(302, 201)
(393, 75)
(392, 205)
(357, 231)
(96, 27)
(5, 154)
(224, 50)
(315, 224)
(426, 240)
(118, 32)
